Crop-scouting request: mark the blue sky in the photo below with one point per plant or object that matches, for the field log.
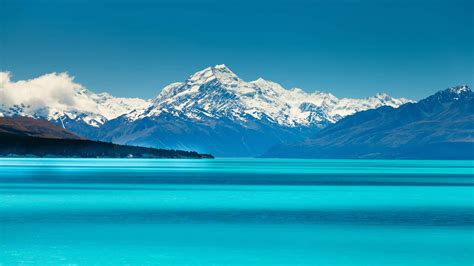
(350, 48)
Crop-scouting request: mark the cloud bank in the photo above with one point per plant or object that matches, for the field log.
(55, 90)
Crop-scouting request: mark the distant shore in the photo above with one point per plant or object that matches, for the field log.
(12, 145)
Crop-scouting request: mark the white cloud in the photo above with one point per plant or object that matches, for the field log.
(56, 94)
(55, 90)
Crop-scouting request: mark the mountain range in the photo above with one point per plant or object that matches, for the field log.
(440, 126)
(212, 111)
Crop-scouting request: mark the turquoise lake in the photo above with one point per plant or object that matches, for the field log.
(236, 212)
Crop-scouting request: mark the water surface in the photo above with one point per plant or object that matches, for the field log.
(236, 212)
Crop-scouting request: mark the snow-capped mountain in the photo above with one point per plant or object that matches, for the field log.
(215, 111)
(212, 111)
(57, 97)
(217, 92)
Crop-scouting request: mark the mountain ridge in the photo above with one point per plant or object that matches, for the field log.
(217, 91)
(440, 126)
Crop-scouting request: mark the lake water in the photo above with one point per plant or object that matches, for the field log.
(236, 212)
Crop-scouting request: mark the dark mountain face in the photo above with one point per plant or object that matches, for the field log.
(438, 127)
(221, 137)
(24, 136)
(27, 126)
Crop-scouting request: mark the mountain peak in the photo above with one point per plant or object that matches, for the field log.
(449, 94)
(262, 82)
(221, 66)
(221, 73)
(459, 89)
(382, 96)
(217, 92)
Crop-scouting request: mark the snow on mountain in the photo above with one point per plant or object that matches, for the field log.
(56, 97)
(213, 93)
(217, 92)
